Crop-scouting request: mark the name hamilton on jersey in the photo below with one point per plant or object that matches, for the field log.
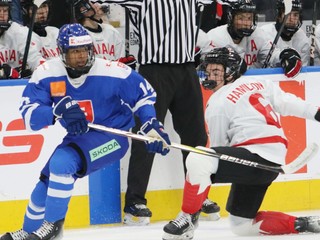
(239, 91)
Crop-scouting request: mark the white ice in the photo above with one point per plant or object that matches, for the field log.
(207, 230)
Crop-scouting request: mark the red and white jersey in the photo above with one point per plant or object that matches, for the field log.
(13, 44)
(317, 46)
(246, 114)
(108, 44)
(299, 42)
(254, 49)
(49, 48)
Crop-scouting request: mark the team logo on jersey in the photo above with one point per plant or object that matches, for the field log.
(58, 89)
(104, 150)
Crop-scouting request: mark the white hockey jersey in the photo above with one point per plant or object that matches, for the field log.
(13, 44)
(254, 49)
(317, 46)
(246, 114)
(49, 48)
(108, 44)
(299, 42)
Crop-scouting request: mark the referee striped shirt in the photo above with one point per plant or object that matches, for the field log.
(166, 29)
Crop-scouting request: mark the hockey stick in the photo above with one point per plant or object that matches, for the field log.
(35, 6)
(313, 37)
(127, 32)
(292, 167)
(287, 10)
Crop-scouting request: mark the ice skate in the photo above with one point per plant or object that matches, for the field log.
(211, 211)
(17, 235)
(48, 231)
(308, 224)
(182, 228)
(137, 215)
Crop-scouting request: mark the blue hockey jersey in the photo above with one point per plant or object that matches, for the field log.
(111, 95)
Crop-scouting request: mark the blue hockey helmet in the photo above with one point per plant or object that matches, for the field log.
(4, 25)
(75, 36)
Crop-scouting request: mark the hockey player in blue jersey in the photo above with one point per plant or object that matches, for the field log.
(75, 90)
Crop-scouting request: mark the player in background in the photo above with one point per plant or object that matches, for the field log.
(251, 42)
(47, 35)
(242, 122)
(292, 36)
(109, 93)
(13, 39)
(317, 46)
(108, 42)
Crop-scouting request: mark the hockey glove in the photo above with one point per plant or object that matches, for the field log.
(130, 61)
(154, 129)
(291, 62)
(69, 111)
(7, 72)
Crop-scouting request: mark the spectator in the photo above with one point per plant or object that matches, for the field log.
(292, 36)
(167, 44)
(16, 12)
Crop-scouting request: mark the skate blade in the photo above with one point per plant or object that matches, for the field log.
(131, 220)
(185, 236)
(210, 216)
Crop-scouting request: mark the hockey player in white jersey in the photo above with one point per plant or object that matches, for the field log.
(242, 122)
(242, 34)
(108, 42)
(47, 35)
(317, 46)
(292, 36)
(74, 90)
(13, 37)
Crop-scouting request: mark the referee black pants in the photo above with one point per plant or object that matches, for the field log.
(178, 90)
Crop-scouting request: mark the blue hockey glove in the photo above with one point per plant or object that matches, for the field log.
(69, 111)
(154, 129)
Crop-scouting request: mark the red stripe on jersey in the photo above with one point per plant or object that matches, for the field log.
(264, 140)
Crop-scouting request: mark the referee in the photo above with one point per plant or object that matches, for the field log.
(167, 39)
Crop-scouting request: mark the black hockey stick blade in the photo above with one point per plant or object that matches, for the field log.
(292, 167)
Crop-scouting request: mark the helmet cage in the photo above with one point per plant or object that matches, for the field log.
(4, 26)
(296, 6)
(241, 6)
(228, 58)
(75, 36)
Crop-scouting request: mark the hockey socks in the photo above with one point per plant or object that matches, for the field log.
(275, 223)
(192, 200)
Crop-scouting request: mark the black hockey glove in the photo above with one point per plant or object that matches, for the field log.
(291, 62)
(130, 61)
(74, 118)
(7, 72)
